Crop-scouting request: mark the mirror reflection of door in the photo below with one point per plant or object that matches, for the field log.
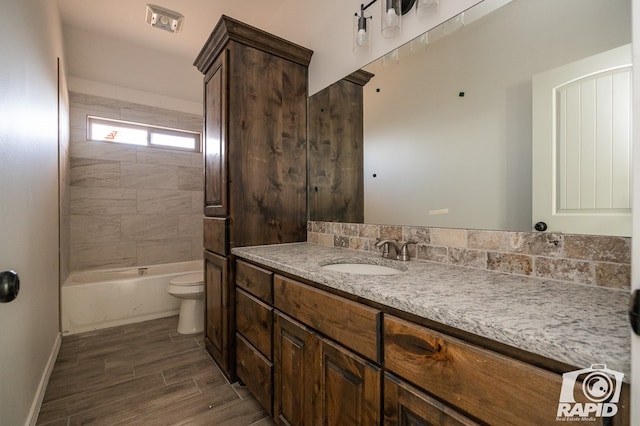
(582, 145)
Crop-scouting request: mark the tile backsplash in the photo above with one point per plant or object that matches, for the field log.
(129, 205)
(586, 259)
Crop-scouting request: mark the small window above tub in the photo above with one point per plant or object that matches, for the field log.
(127, 132)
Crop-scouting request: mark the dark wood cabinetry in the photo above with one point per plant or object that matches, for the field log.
(404, 405)
(254, 320)
(254, 331)
(350, 387)
(215, 137)
(304, 377)
(295, 358)
(217, 315)
(318, 381)
(338, 361)
(255, 133)
(336, 162)
(319, 377)
(349, 323)
(456, 371)
(256, 371)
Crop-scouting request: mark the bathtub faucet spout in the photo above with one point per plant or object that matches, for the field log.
(141, 271)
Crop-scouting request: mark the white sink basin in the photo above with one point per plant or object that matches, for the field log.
(362, 267)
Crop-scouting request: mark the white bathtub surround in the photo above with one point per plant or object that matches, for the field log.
(96, 299)
(131, 205)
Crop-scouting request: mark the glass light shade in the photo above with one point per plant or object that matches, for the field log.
(425, 7)
(361, 34)
(391, 17)
(391, 58)
(419, 42)
(453, 24)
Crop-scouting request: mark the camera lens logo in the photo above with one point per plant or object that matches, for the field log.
(600, 386)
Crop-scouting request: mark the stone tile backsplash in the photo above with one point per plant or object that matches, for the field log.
(129, 205)
(586, 259)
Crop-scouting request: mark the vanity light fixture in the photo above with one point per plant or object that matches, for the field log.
(391, 21)
(425, 7)
(164, 19)
(391, 18)
(361, 35)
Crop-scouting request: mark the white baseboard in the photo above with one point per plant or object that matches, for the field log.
(42, 387)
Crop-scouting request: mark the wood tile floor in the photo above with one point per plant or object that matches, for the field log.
(143, 374)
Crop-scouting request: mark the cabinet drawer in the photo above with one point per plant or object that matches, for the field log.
(406, 405)
(215, 235)
(256, 372)
(256, 281)
(254, 320)
(487, 385)
(347, 322)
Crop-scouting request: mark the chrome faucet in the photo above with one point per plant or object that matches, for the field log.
(389, 248)
(404, 250)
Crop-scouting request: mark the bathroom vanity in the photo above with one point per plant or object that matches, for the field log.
(255, 124)
(429, 344)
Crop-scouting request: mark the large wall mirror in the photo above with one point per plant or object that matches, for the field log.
(448, 117)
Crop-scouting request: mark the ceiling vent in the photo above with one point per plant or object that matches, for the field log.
(165, 19)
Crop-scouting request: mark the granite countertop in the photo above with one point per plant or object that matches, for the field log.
(576, 324)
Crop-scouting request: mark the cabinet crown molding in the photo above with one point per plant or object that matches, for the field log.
(359, 77)
(229, 29)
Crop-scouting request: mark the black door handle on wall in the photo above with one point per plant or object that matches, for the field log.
(634, 311)
(9, 286)
(540, 226)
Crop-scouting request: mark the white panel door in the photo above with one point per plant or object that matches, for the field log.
(582, 145)
(635, 241)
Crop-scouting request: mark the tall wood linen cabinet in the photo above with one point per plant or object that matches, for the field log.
(255, 135)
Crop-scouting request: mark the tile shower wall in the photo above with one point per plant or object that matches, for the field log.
(64, 187)
(132, 205)
(585, 259)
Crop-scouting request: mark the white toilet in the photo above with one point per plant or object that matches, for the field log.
(189, 289)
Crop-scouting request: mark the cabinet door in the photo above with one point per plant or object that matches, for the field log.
(215, 170)
(336, 160)
(267, 148)
(405, 405)
(217, 310)
(295, 353)
(350, 388)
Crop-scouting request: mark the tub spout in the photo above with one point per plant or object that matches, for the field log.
(141, 271)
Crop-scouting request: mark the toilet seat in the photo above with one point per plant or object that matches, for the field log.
(194, 278)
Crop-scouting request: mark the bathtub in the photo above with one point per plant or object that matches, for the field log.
(95, 299)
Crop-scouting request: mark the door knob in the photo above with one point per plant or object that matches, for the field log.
(9, 286)
(634, 311)
(540, 226)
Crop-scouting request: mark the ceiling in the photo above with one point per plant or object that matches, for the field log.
(125, 19)
(326, 27)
